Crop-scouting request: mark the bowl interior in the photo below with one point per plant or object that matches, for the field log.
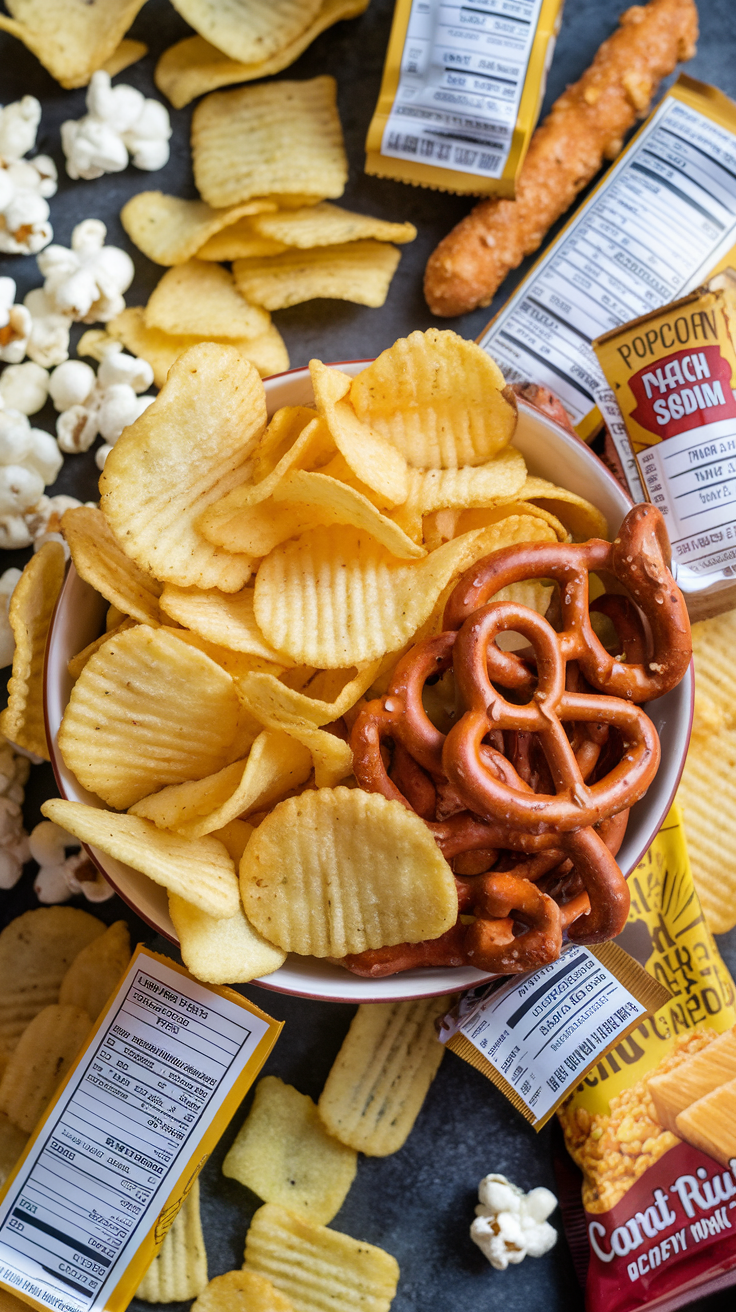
(550, 453)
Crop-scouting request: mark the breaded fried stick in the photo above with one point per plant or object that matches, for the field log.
(585, 126)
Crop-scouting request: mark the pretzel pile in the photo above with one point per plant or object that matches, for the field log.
(528, 793)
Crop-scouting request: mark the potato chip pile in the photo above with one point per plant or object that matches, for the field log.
(268, 161)
(263, 577)
(242, 40)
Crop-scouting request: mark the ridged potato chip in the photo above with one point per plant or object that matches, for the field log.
(199, 870)
(358, 271)
(100, 561)
(36, 950)
(267, 352)
(257, 529)
(201, 299)
(170, 230)
(279, 706)
(44, 1053)
(336, 597)
(12, 1143)
(332, 757)
(30, 611)
(311, 1263)
(338, 871)
(237, 663)
(237, 1291)
(222, 951)
(193, 67)
(248, 30)
(127, 53)
(374, 461)
(186, 451)
(239, 242)
(224, 619)
(179, 1269)
(441, 400)
(96, 970)
(329, 225)
(147, 710)
(78, 662)
(381, 1075)
(473, 485)
(581, 517)
(337, 503)
(276, 139)
(467, 520)
(71, 40)
(285, 1155)
(275, 764)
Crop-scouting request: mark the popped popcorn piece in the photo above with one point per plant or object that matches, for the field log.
(15, 324)
(14, 849)
(42, 523)
(87, 282)
(8, 581)
(24, 387)
(65, 870)
(25, 185)
(509, 1224)
(32, 447)
(120, 122)
(105, 404)
(48, 343)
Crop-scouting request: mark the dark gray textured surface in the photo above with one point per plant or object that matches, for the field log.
(418, 1203)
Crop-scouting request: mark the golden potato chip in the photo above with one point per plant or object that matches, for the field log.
(257, 529)
(100, 561)
(467, 520)
(581, 517)
(114, 617)
(78, 662)
(284, 1154)
(291, 433)
(304, 1260)
(199, 870)
(359, 271)
(222, 951)
(440, 399)
(184, 453)
(127, 53)
(336, 597)
(375, 462)
(31, 608)
(179, 1269)
(71, 40)
(338, 871)
(328, 225)
(12, 1143)
(275, 704)
(235, 836)
(170, 230)
(193, 67)
(382, 1073)
(44, 1053)
(274, 139)
(147, 710)
(715, 678)
(96, 970)
(332, 757)
(226, 620)
(237, 1291)
(239, 242)
(248, 30)
(275, 764)
(267, 352)
(337, 503)
(237, 663)
(706, 794)
(201, 299)
(36, 950)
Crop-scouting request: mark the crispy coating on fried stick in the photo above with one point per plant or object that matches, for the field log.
(585, 126)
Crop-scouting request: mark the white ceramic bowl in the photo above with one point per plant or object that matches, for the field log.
(550, 453)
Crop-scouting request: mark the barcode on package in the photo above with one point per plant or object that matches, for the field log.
(541, 1032)
(462, 76)
(103, 1164)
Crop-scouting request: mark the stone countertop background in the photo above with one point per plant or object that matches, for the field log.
(418, 1203)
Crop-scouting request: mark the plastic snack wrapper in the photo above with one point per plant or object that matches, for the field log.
(112, 1159)
(671, 373)
(652, 1127)
(658, 224)
(461, 93)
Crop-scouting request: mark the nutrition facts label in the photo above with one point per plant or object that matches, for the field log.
(664, 216)
(462, 75)
(543, 1031)
(104, 1164)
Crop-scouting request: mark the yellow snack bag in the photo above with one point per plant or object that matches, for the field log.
(461, 93)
